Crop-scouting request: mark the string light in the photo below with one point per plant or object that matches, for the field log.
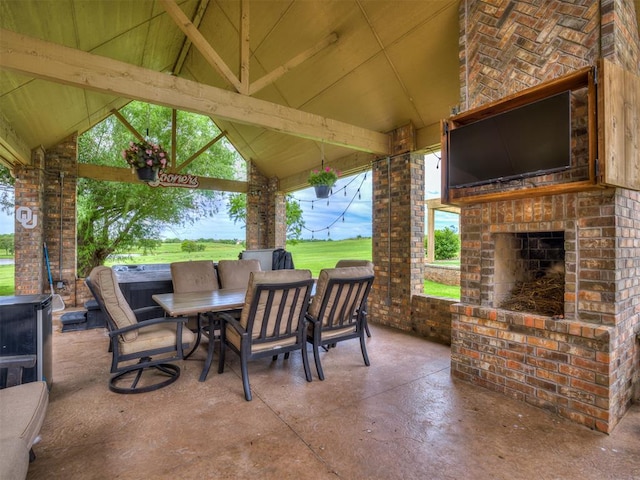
(341, 215)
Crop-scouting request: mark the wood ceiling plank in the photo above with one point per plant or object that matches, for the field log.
(35, 57)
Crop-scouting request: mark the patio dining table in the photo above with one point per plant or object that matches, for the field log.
(194, 303)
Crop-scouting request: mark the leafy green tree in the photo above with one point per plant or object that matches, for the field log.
(116, 217)
(191, 246)
(447, 244)
(237, 209)
(6, 190)
(7, 243)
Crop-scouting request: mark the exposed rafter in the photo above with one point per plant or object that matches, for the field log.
(198, 41)
(182, 56)
(33, 57)
(275, 74)
(240, 84)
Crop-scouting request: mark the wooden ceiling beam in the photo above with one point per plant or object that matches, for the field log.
(117, 174)
(275, 74)
(198, 41)
(127, 125)
(37, 58)
(245, 52)
(186, 45)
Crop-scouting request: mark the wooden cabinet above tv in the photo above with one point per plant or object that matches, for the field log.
(602, 149)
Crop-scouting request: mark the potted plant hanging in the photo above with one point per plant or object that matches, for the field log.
(323, 180)
(146, 158)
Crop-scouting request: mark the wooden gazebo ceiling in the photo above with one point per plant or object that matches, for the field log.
(345, 73)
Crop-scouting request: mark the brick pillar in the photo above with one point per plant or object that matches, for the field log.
(266, 214)
(398, 238)
(30, 276)
(60, 216)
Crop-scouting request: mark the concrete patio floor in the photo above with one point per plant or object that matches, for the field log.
(403, 417)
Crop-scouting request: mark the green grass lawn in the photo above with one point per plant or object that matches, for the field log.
(7, 279)
(308, 255)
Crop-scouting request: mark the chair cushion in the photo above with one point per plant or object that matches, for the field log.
(14, 458)
(105, 282)
(22, 411)
(271, 277)
(235, 273)
(157, 336)
(323, 280)
(355, 263)
(194, 276)
(233, 337)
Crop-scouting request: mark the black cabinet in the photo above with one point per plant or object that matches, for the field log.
(26, 329)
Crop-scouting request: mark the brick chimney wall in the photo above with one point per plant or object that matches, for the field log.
(583, 366)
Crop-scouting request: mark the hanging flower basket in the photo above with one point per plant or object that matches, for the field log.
(146, 158)
(147, 174)
(322, 191)
(323, 180)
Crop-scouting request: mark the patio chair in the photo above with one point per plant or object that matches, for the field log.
(359, 263)
(191, 277)
(235, 273)
(271, 322)
(335, 314)
(138, 341)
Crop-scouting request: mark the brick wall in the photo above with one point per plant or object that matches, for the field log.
(431, 317)
(266, 212)
(620, 42)
(60, 216)
(442, 274)
(508, 46)
(584, 365)
(398, 238)
(562, 366)
(30, 274)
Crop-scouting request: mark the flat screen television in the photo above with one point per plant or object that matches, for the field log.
(526, 141)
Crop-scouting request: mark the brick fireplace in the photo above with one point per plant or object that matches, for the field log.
(580, 364)
(581, 357)
(529, 272)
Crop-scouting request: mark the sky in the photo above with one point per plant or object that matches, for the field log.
(351, 200)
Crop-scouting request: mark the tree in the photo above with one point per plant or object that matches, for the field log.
(116, 217)
(447, 244)
(190, 246)
(237, 209)
(6, 190)
(6, 243)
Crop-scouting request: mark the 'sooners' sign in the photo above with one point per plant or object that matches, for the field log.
(175, 180)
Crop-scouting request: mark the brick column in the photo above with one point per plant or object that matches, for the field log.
(30, 276)
(398, 238)
(60, 215)
(266, 213)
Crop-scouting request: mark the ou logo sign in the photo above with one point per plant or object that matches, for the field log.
(26, 217)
